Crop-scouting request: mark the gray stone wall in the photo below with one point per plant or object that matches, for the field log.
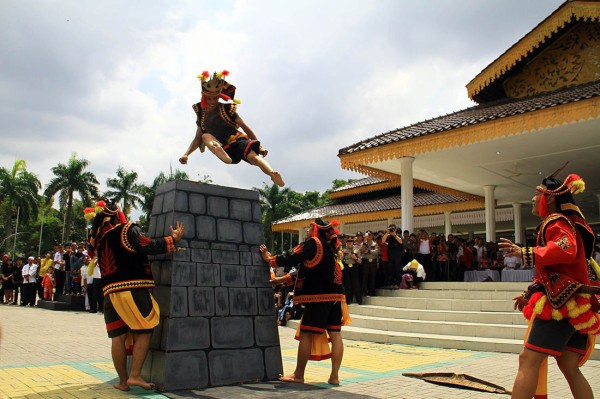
(218, 323)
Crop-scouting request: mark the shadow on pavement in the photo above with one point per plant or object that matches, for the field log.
(264, 390)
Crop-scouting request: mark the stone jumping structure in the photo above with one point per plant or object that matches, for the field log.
(218, 323)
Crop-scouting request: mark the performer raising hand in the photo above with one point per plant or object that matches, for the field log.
(218, 128)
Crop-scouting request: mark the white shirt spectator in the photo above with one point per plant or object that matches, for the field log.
(97, 273)
(424, 247)
(58, 260)
(29, 273)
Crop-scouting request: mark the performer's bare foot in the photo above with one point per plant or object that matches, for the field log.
(122, 387)
(139, 382)
(333, 381)
(277, 179)
(291, 378)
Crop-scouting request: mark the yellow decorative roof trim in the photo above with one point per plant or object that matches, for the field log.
(384, 215)
(484, 131)
(579, 10)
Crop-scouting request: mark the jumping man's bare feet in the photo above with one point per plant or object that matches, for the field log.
(277, 179)
(139, 382)
(291, 378)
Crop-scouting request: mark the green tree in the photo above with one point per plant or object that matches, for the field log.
(276, 203)
(149, 191)
(18, 192)
(126, 189)
(69, 179)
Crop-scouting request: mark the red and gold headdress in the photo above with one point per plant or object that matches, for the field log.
(562, 191)
(216, 84)
(102, 214)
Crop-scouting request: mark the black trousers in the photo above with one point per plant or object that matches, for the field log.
(351, 279)
(96, 299)
(61, 276)
(29, 292)
(368, 274)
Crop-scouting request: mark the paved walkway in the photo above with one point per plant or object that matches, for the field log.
(46, 354)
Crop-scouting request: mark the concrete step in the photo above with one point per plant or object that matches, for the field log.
(510, 318)
(53, 305)
(448, 294)
(490, 305)
(435, 340)
(474, 286)
(481, 330)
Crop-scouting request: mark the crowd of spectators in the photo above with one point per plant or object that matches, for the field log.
(395, 259)
(68, 270)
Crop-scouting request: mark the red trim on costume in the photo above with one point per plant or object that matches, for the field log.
(315, 298)
(334, 328)
(248, 148)
(310, 263)
(543, 350)
(115, 325)
(576, 350)
(544, 396)
(170, 244)
(310, 328)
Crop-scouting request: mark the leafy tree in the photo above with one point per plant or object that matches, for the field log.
(18, 191)
(69, 179)
(126, 189)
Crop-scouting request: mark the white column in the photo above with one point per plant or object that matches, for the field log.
(447, 223)
(517, 219)
(490, 214)
(406, 200)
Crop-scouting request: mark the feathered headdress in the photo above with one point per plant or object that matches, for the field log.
(217, 85)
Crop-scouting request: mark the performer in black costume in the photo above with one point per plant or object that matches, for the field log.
(218, 128)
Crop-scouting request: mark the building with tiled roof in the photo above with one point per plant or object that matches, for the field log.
(538, 107)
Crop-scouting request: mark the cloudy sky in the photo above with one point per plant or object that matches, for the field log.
(114, 81)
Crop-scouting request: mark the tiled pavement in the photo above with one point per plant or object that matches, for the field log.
(46, 354)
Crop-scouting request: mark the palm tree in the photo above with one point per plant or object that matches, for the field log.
(126, 189)
(18, 190)
(275, 204)
(70, 179)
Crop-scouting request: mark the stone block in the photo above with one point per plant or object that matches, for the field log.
(233, 276)
(168, 202)
(257, 259)
(201, 255)
(199, 244)
(243, 248)
(218, 206)
(171, 300)
(197, 204)
(231, 332)
(189, 221)
(208, 274)
(243, 302)
(160, 226)
(169, 222)
(257, 276)
(245, 258)
(256, 212)
(266, 303)
(165, 273)
(226, 257)
(240, 210)
(201, 301)
(273, 362)
(157, 205)
(265, 330)
(229, 230)
(182, 255)
(253, 233)
(185, 334)
(156, 338)
(152, 227)
(181, 201)
(206, 228)
(163, 188)
(180, 370)
(183, 274)
(223, 246)
(146, 366)
(156, 266)
(221, 301)
(234, 366)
